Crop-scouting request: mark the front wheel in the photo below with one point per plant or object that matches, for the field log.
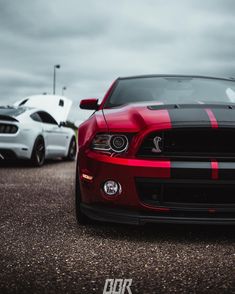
(38, 154)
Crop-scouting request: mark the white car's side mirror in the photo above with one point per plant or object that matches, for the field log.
(62, 124)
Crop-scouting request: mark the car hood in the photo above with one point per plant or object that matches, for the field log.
(136, 117)
(57, 106)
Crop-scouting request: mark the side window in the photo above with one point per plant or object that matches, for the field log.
(47, 118)
(35, 116)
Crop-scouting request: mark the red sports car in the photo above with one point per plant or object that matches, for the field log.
(159, 148)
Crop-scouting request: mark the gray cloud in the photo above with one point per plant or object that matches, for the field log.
(97, 41)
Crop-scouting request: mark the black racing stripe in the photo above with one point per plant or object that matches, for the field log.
(190, 170)
(189, 117)
(226, 170)
(224, 116)
(189, 106)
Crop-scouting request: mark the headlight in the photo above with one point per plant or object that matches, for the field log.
(117, 143)
(101, 142)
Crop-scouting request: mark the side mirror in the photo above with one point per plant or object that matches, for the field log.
(62, 124)
(91, 104)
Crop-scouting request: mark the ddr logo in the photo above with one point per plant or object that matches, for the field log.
(117, 286)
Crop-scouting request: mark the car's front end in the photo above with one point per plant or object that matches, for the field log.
(159, 162)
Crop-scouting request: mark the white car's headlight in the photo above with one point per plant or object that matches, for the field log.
(117, 143)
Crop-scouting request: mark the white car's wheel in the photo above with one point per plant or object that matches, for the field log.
(38, 154)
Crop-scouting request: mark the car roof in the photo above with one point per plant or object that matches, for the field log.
(176, 76)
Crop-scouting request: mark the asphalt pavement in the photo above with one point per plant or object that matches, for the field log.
(43, 250)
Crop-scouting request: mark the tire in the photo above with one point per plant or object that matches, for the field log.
(72, 152)
(38, 153)
(82, 219)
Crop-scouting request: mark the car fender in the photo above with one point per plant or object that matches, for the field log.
(70, 133)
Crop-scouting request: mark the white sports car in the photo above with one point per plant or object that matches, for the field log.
(34, 129)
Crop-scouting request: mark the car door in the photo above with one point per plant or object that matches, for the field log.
(52, 135)
(64, 139)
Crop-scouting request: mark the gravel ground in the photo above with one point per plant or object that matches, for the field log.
(43, 250)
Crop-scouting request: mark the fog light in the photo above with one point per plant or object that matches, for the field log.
(112, 188)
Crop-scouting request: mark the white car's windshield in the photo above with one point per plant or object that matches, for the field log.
(172, 90)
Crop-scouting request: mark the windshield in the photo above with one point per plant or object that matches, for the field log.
(172, 90)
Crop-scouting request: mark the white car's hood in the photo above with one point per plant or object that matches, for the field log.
(57, 106)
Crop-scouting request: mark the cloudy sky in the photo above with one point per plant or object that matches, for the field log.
(97, 41)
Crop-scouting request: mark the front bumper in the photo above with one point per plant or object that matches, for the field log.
(133, 206)
(122, 216)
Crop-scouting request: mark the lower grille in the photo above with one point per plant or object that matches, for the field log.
(186, 194)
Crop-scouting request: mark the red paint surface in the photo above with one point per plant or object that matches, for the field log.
(215, 170)
(212, 118)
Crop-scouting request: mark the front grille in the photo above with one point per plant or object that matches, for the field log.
(190, 143)
(8, 129)
(185, 194)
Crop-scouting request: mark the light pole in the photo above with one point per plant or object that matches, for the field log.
(54, 77)
(63, 89)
